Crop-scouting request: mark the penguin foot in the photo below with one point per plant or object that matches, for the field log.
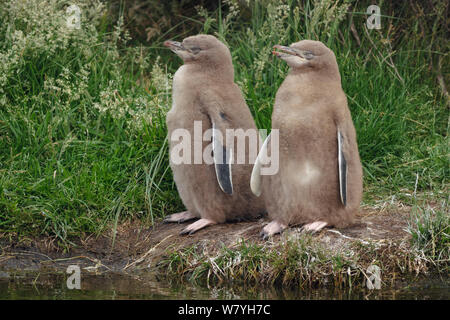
(180, 217)
(314, 226)
(271, 229)
(197, 225)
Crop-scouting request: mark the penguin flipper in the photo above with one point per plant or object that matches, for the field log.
(255, 180)
(342, 164)
(222, 163)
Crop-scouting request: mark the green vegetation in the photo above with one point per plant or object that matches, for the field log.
(430, 231)
(82, 111)
(299, 260)
(82, 128)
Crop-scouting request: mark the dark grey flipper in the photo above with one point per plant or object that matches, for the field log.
(222, 164)
(342, 163)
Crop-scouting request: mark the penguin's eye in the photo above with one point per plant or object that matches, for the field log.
(195, 50)
(308, 55)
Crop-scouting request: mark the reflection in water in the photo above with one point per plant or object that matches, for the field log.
(51, 285)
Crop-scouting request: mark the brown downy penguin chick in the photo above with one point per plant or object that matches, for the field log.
(204, 91)
(319, 182)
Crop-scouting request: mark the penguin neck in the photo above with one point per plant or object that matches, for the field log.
(311, 85)
(330, 74)
(315, 80)
(211, 71)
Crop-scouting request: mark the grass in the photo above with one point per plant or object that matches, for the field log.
(71, 161)
(82, 113)
(299, 261)
(430, 231)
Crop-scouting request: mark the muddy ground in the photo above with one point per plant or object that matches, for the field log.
(139, 248)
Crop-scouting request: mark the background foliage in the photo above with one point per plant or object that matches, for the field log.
(82, 111)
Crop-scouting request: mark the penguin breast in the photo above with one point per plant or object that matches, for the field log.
(302, 174)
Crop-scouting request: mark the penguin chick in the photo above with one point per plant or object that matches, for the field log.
(204, 92)
(319, 182)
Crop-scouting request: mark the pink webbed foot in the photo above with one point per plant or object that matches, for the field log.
(197, 225)
(271, 229)
(314, 226)
(180, 217)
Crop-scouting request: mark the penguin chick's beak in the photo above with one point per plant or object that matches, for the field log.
(174, 45)
(284, 52)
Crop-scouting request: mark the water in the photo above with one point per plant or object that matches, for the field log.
(51, 285)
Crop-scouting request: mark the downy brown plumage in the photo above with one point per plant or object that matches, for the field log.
(319, 183)
(204, 90)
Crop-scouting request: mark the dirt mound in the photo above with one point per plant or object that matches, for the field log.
(136, 247)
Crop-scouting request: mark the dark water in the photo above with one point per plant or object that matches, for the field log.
(51, 285)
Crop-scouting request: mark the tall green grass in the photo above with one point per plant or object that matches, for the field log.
(430, 231)
(82, 112)
(82, 124)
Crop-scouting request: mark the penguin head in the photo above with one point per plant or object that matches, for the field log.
(306, 55)
(202, 49)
